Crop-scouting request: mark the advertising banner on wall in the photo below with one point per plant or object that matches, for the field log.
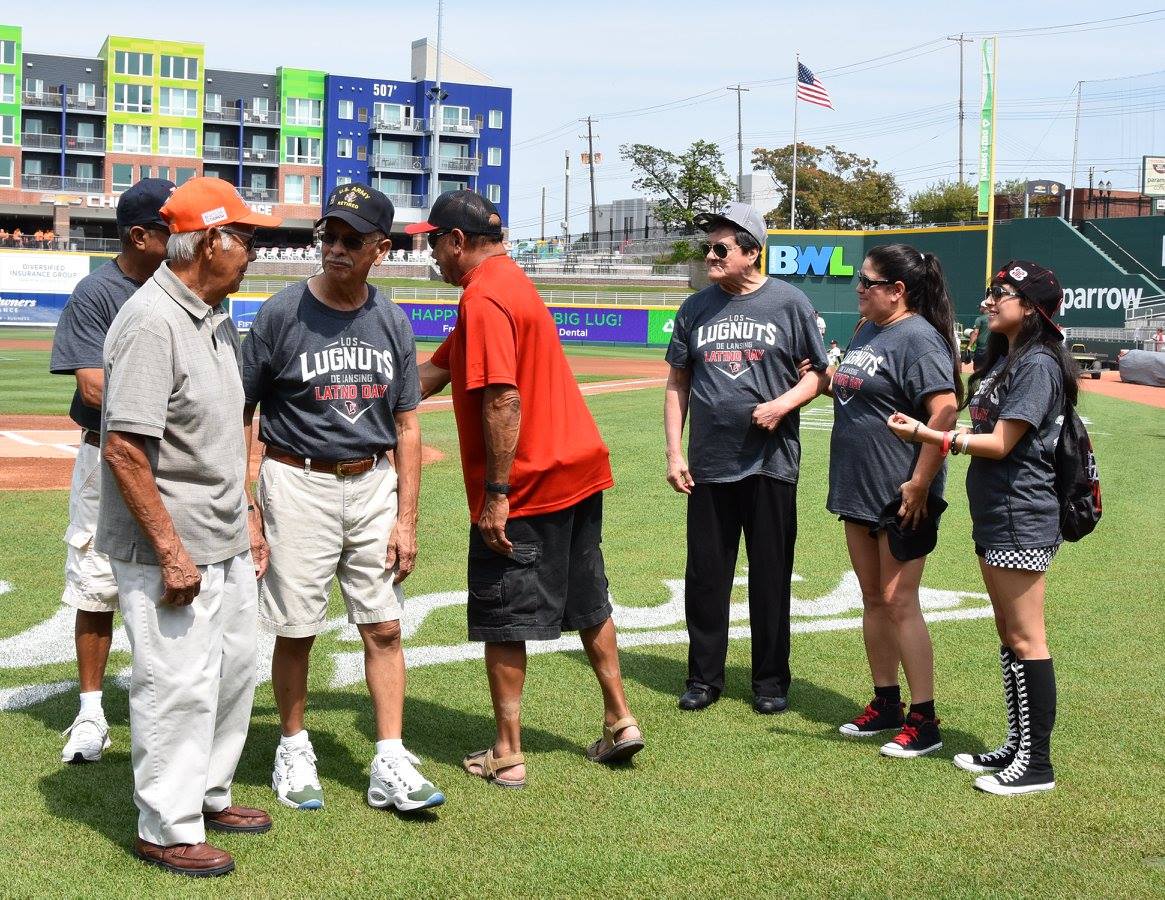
(1153, 176)
(987, 129)
(34, 287)
(660, 323)
(576, 324)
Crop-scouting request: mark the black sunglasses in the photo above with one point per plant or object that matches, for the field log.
(996, 292)
(435, 236)
(868, 283)
(247, 241)
(351, 242)
(721, 250)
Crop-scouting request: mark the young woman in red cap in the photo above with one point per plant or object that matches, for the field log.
(1017, 408)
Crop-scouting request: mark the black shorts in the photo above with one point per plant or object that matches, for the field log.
(872, 527)
(554, 581)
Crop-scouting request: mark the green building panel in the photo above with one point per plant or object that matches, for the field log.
(299, 84)
(12, 34)
(154, 51)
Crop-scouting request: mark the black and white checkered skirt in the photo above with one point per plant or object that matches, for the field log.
(1033, 559)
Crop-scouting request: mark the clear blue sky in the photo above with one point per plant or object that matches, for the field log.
(606, 59)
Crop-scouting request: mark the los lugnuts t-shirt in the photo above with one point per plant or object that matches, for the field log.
(742, 350)
(1013, 500)
(887, 369)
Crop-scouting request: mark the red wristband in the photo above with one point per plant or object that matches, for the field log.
(947, 442)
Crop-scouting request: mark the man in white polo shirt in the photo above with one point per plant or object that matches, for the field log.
(173, 522)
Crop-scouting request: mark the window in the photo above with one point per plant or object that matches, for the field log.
(293, 189)
(393, 187)
(344, 109)
(7, 88)
(87, 93)
(494, 193)
(344, 148)
(164, 172)
(260, 106)
(342, 179)
(304, 112)
(86, 131)
(313, 189)
(211, 140)
(133, 98)
(444, 185)
(213, 103)
(6, 169)
(7, 123)
(181, 67)
(303, 150)
(131, 138)
(495, 118)
(33, 166)
(179, 101)
(394, 114)
(32, 125)
(143, 172)
(34, 86)
(259, 142)
(126, 63)
(181, 176)
(454, 117)
(88, 170)
(8, 58)
(176, 141)
(494, 156)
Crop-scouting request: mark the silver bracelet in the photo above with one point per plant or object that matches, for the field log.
(914, 433)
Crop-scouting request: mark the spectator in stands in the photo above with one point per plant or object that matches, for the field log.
(1159, 340)
(4, 237)
(38, 239)
(50, 240)
(17, 237)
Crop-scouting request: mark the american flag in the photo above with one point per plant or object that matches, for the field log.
(810, 89)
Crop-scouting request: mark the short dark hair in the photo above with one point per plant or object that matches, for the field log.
(476, 241)
(746, 242)
(123, 235)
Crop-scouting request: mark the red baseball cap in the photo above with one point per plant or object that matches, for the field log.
(202, 203)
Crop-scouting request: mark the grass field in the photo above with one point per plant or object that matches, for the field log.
(723, 802)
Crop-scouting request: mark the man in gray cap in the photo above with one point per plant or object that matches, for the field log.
(734, 357)
(77, 343)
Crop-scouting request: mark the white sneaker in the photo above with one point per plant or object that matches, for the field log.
(294, 778)
(88, 739)
(395, 780)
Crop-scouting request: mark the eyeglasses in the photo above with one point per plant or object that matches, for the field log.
(867, 283)
(435, 236)
(996, 294)
(246, 239)
(720, 249)
(351, 242)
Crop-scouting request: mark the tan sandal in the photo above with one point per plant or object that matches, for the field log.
(483, 764)
(609, 750)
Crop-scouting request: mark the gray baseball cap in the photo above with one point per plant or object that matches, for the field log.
(739, 215)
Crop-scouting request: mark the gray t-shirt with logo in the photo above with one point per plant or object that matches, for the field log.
(742, 350)
(328, 382)
(80, 334)
(885, 370)
(1013, 500)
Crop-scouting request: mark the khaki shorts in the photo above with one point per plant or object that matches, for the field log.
(89, 583)
(321, 527)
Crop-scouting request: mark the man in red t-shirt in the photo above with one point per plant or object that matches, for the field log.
(535, 468)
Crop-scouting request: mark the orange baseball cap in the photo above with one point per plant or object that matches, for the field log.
(202, 203)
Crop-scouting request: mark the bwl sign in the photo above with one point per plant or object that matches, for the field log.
(93, 201)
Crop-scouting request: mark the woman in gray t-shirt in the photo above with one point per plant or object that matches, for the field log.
(901, 359)
(1017, 407)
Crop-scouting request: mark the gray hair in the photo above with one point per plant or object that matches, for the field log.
(183, 247)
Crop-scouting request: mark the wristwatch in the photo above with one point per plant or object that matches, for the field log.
(493, 487)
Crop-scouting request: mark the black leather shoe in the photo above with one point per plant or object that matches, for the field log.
(697, 697)
(767, 706)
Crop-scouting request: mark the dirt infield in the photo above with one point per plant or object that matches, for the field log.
(13, 344)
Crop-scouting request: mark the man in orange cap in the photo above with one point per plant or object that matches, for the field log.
(174, 523)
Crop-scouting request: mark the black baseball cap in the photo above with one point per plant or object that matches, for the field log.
(912, 543)
(362, 207)
(1039, 284)
(141, 203)
(467, 210)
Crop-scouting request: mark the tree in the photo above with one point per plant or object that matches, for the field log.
(685, 183)
(835, 189)
(945, 201)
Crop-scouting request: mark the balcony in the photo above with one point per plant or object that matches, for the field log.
(61, 183)
(253, 156)
(79, 144)
(408, 201)
(399, 126)
(38, 141)
(223, 114)
(459, 129)
(77, 103)
(220, 154)
(259, 195)
(459, 164)
(46, 99)
(393, 163)
(269, 119)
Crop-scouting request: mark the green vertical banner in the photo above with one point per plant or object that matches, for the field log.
(660, 323)
(987, 129)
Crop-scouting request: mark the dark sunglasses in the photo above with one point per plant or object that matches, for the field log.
(352, 242)
(435, 236)
(868, 283)
(247, 241)
(996, 292)
(721, 250)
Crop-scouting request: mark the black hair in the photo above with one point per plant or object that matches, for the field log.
(123, 235)
(1035, 333)
(477, 241)
(746, 242)
(926, 293)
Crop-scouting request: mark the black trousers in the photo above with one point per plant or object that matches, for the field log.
(765, 509)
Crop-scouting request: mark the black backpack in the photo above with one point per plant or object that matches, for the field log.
(1077, 478)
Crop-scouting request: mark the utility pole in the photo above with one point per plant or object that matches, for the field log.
(591, 161)
(436, 95)
(543, 212)
(739, 144)
(961, 40)
(1075, 145)
(566, 204)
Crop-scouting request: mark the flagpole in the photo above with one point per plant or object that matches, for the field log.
(991, 160)
(793, 201)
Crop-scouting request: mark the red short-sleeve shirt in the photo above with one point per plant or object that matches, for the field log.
(505, 335)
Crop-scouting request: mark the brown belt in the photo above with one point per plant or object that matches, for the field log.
(92, 438)
(341, 468)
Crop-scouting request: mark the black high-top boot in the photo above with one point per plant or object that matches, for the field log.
(1031, 770)
(1001, 757)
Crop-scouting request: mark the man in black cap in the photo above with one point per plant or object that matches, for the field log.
(77, 351)
(332, 366)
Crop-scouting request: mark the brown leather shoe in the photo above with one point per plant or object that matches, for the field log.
(195, 860)
(238, 818)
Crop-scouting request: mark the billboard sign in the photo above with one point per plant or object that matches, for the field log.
(1153, 176)
(34, 287)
